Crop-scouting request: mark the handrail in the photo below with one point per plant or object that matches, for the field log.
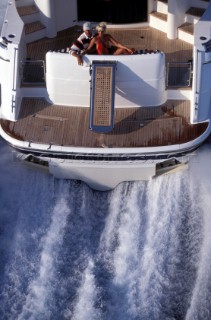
(14, 69)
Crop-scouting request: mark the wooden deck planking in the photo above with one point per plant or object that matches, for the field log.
(138, 38)
(160, 15)
(33, 26)
(27, 10)
(42, 122)
(103, 90)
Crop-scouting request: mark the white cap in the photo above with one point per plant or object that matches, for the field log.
(87, 26)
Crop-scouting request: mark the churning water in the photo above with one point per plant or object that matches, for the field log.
(139, 252)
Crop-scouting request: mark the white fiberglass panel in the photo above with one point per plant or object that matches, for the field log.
(140, 79)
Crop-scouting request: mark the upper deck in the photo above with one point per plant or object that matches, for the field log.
(139, 38)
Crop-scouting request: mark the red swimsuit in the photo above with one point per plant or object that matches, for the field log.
(100, 46)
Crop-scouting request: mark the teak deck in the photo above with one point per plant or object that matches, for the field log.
(102, 96)
(138, 38)
(42, 122)
(168, 124)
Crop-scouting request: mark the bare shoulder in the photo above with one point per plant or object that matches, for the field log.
(108, 37)
(94, 39)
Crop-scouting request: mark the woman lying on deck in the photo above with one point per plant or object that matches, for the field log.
(106, 44)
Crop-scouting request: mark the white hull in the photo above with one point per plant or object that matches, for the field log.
(105, 175)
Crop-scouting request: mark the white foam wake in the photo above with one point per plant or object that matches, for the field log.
(200, 304)
(86, 297)
(40, 289)
(139, 252)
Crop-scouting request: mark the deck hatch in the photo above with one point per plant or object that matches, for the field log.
(102, 96)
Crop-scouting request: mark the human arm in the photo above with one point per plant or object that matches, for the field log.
(77, 56)
(77, 47)
(90, 47)
(118, 44)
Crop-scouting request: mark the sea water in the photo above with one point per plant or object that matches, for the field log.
(141, 251)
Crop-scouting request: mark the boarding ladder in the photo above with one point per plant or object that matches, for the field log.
(102, 94)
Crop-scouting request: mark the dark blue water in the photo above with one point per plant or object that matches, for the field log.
(141, 251)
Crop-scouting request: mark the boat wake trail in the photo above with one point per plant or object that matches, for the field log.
(200, 306)
(149, 247)
(40, 289)
(138, 252)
